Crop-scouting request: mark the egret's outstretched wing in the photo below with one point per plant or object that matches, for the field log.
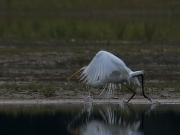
(102, 65)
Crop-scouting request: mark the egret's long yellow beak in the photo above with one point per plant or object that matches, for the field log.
(75, 74)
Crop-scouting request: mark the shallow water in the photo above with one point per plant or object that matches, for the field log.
(89, 119)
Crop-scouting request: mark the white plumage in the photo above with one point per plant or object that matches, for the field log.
(107, 69)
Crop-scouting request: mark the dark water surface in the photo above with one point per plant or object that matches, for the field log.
(88, 119)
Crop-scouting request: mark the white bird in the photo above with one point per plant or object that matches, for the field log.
(107, 68)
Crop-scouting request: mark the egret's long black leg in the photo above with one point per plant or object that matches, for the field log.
(134, 93)
(148, 98)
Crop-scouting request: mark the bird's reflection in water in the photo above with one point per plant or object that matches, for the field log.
(99, 128)
(110, 121)
(110, 125)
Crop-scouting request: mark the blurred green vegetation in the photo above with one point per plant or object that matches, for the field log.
(139, 20)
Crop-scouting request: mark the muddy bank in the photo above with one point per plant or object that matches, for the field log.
(81, 101)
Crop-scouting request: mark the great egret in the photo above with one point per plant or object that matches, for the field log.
(107, 68)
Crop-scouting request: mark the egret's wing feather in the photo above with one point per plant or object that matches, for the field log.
(102, 65)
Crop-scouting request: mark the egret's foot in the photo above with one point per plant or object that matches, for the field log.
(152, 100)
(155, 102)
(125, 101)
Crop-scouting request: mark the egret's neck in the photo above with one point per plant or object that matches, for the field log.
(136, 73)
